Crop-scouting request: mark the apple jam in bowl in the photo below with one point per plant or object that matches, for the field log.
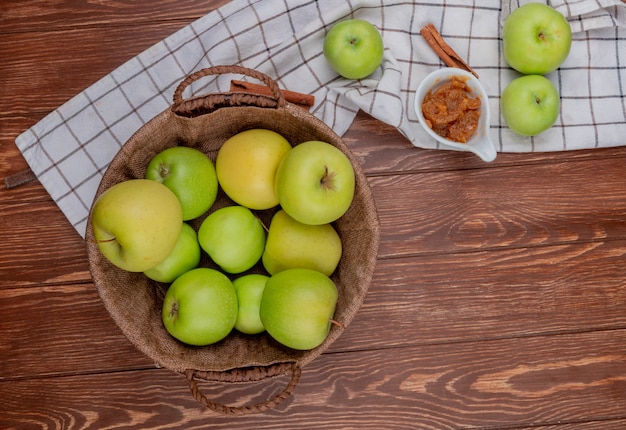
(452, 107)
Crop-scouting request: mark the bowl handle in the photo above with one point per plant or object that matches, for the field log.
(199, 105)
(252, 374)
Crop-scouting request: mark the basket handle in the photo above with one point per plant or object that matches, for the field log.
(253, 374)
(199, 105)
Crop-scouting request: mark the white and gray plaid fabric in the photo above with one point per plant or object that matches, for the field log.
(70, 148)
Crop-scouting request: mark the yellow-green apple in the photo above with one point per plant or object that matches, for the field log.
(353, 48)
(536, 39)
(315, 183)
(200, 307)
(297, 307)
(190, 174)
(136, 223)
(530, 104)
(249, 292)
(233, 237)
(291, 244)
(246, 167)
(184, 257)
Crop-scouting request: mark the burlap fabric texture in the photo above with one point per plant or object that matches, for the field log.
(134, 302)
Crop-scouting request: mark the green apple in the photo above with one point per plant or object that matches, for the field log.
(536, 39)
(200, 307)
(190, 174)
(291, 244)
(315, 183)
(297, 307)
(246, 167)
(136, 223)
(184, 257)
(530, 104)
(353, 48)
(233, 237)
(249, 293)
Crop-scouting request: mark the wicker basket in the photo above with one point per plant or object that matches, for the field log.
(134, 302)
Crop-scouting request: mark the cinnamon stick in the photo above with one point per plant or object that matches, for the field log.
(303, 100)
(443, 50)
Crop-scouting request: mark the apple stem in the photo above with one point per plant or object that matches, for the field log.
(327, 179)
(174, 309)
(337, 323)
(105, 240)
(163, 170)
(262, 223)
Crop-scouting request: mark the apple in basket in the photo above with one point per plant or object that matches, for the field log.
(190, 174)
(530, 104)
(297, 307)
(315, 183)
(291, 244)
(250, 289)
(184, 257)
(233, 237)
(246, 167)
(353, 48)
(136, 223)
(200, 307)
(536, 39)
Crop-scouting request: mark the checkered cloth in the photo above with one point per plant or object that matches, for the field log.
(70, 148)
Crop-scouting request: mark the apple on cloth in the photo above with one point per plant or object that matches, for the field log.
(582, 15)
(536, 39)
(354, 48)
(530, 104)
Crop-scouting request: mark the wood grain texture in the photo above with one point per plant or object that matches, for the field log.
(445, 386)
(498, 300)
(20, 16)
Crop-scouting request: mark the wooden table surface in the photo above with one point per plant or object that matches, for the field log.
(498, 300)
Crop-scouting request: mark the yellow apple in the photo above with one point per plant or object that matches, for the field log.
(292, 244)
(136, 223)
(246, 167)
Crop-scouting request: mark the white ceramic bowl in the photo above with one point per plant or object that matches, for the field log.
(480, 143)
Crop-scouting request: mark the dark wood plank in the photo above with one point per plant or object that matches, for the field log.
(61, 330)
(39, 246)
(382, 150)
(513, 206)
(21, 16)
(514, 383)
(61, 64)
